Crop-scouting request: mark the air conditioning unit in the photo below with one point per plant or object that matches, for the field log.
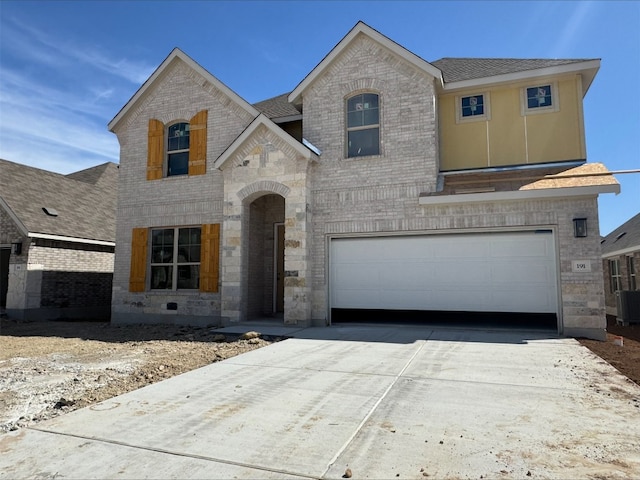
(628, 306)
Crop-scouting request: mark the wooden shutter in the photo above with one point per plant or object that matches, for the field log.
(138, 270)
(198, 144)
(155, 153)
(209, 257)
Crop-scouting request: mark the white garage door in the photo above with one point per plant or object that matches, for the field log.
(496, 272)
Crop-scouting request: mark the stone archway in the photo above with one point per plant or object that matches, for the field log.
(264, 254)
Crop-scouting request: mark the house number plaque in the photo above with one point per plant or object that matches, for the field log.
(581, 266)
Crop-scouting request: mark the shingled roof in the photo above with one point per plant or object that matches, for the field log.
(625, 238)
(460, 69)
(85, 201)
(277, 107)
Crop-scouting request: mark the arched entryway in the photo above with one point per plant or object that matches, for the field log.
(264, 227)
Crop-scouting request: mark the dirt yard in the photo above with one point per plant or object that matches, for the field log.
(50, 368)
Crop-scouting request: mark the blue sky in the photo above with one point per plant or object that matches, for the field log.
(66, 68)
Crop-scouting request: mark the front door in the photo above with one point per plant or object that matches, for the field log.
(279, 261)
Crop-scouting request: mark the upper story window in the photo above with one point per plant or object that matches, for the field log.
(540, 99)
(178, 149)
(472, 107)
(363, 125)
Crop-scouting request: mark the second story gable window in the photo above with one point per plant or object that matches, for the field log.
(178, 149)
(363, 125)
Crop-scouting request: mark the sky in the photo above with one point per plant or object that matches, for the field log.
(68, 67)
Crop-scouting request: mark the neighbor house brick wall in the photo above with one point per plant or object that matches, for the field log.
(172, 201)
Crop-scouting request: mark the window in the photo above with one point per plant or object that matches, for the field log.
(631, 272)
(539, 99)
(614, 273)
(363, 125)
(178, 149)
(472, 107)
(175, 258)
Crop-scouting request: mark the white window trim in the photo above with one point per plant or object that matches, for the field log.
(555, 102)
(632, 276)
(615, 278)
(486, 116)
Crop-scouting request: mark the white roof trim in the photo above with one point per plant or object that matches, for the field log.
(21, 226)
(363, 28)
(588, 69)
(46, 236)
(177, 53)
(262, 119)
(624, 251)
(519, 195)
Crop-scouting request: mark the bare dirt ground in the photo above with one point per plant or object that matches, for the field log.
(51, 368)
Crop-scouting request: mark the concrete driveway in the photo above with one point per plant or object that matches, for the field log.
(401, 402)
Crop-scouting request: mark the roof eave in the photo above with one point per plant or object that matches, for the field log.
(587, 69)
(22, 228)
(361, 28)
(543, 193)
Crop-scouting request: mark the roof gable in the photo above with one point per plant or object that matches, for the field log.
(361, 29)
(263, 122)
(175, 56)
(86, 208)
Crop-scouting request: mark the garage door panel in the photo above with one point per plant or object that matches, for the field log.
(502, 272)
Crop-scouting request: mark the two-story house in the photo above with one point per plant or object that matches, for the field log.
(382, 182)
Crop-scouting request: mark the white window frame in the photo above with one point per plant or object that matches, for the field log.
(555, 102)
(474, 118)
(615, 278)
(175, 263)
(631, 273)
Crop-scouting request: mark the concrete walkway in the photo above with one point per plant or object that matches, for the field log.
(401, 402)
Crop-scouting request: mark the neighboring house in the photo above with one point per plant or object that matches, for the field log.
(381, 182)
(57, 241)
(621, 262)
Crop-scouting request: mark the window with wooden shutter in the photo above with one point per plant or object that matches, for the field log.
(198, 147)
(155, 151)
(209, 257)
(137, 274)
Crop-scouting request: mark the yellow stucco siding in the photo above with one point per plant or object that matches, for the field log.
(506, 129)
(508, 137)
(464, 146)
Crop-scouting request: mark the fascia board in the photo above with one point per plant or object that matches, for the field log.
(361, 27)
(547, 193)
(21, 226)
(588, 69)
(624, 251)
(177, 53)
(47, 236)
(253, 126)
